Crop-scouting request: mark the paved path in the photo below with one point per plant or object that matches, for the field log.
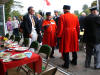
(75, 70)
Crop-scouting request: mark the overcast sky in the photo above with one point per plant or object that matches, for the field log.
(55, 4)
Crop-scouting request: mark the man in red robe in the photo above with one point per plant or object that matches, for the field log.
(49, 36)
(68, 32)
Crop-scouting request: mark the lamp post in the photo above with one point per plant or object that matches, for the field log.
(98, 5)
(2, 17)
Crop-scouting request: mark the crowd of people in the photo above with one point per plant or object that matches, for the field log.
(61, 31)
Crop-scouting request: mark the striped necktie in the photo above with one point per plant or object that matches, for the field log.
(33, 22)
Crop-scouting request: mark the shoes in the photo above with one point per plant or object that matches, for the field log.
(96, 68)
(73, 63)
(63, 66)
(87, 66)
(52, 57)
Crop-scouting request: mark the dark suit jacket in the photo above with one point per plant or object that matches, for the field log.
(56, 19)
(27, 25)
(81, 21)
(92, 29)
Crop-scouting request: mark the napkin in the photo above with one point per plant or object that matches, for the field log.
(32, 49)
(2, 50)
(28, 54)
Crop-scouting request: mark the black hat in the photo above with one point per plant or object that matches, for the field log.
(48, 13)
(41, 13)
(93, 8)
(66, 7)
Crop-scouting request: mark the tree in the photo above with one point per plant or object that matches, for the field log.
(59, 12)
(8, 8)
(76, 12)
(15, 13)
(86, 9)
(9, 5)
(94, 3)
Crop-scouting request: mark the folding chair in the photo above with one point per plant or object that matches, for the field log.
(34, 45)
(26, 42)
(12, 37)
(51, 71)
(44, 49)
(7, 35)
(17, 38)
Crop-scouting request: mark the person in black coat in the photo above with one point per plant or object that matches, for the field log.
(56, 19)
(81, 20)
(40, 19)
(29, 23)
(92, 37)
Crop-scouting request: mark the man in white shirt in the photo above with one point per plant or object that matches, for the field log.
(30, 25)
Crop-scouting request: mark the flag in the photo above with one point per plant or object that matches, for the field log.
(47, 2)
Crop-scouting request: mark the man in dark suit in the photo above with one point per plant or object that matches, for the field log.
(56, 19)
(81, 20)
(30, 25)
(92, 37)
(40, 19)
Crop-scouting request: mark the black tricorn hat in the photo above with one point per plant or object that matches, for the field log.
(48, 13)
(66, 7)
(41, 13)
(93, 8)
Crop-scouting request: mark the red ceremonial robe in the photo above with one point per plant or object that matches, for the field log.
(68, 31)
(49, 36)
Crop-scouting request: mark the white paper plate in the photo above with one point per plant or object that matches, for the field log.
(14, 43)
(9, 41)
(7, 60)
(18, 56)
(4, 54)
(21, 48)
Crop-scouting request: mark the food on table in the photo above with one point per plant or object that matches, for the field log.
(21, 48)
(18, 56)
(4, 54)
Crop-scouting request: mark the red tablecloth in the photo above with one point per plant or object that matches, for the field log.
(35, 59)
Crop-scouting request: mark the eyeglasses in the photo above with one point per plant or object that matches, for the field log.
(32, 10)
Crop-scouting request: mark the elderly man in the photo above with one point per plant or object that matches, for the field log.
(81, 20)
(56, 17)
(30, 25)
(49, 36)
(68, 32)
(92, 38)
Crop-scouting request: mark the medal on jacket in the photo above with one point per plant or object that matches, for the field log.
(52, 22)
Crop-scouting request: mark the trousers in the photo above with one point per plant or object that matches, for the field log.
(66, 58)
